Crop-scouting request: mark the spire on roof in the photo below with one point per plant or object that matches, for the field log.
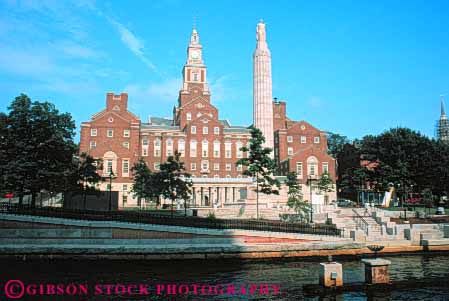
(443, 113)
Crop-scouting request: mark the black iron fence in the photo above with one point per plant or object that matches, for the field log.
(164, 219)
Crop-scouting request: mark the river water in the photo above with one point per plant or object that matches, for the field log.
(290, 275)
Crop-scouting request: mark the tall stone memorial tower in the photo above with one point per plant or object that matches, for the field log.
(262, 90)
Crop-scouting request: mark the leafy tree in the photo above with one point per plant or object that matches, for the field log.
(87, 175)
(260, 166)
(38, 148)
(295, 197)
(325, 183)
(3, 154)
(172, 181)
(336, 143)
(143, 180)
(407, 157)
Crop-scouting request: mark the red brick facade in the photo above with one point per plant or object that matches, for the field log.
(300, 147)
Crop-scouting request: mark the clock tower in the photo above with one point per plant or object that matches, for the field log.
(194, 71)
(194, 80)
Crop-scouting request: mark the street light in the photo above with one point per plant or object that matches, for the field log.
(172, 200)
(111, 175)
(311, 204)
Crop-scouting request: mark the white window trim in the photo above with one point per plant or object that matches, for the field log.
(125, 174)
(144, 151)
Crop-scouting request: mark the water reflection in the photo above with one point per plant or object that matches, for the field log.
(291, 275)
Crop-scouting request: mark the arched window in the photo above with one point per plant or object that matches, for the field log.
(169, 147)
(181, 147)
(109, 163)
(157, 147)
(216, 149)
(238, 146)
(312, 166)
(193, 148)
(205, 149)
(228, 149)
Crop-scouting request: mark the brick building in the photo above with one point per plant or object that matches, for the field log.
(209, 146)
(300, 147)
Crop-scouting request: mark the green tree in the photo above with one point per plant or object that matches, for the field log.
(336, 143)
(3, 154)
(325, 183)
(38, 148)
(143, 180)
(260, 166)
(172, 181)
(295, 197)
(403, 156)
(87, 175)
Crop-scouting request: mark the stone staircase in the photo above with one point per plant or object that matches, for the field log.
(359, 224)
(428, 234)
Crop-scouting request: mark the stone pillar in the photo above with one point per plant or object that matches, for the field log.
(202, 196)
(262, 87)
(222, 196)
(211, 202)
(331, 274)
(376, 270)
(233, 194)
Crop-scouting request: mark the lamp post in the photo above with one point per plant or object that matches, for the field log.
(111, 175)
(257, 195)
(311, 203)
(172, 201)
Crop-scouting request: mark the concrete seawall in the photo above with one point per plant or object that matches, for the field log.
(98, 240)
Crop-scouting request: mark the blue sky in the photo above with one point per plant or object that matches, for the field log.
(351, 67)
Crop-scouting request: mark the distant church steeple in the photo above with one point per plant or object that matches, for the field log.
(443, 124)
(442, 107)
